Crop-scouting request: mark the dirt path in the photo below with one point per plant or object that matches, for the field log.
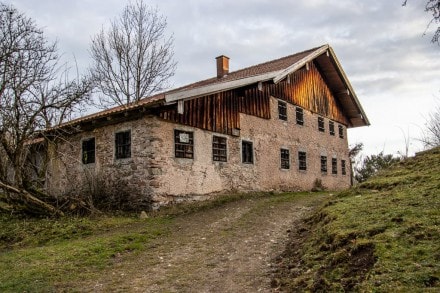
(225, 249)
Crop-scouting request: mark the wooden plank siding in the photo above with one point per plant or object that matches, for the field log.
(308, 90)
(220, 112)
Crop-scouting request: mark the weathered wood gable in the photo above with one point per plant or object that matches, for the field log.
(220, 112)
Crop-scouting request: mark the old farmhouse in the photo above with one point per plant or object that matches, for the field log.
(279, 125)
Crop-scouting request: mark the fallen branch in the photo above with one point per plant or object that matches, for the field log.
(30, 201)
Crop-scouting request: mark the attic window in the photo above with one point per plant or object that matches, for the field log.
(321, 124)
(219, 149)
(123, 144)
(302, 161)
(341, 131)
(285, 159)
(299, 116)
(282, 110)
(183, 144)
(331, 127)
(88, 151)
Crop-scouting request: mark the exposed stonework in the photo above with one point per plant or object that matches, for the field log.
(240, 107)
(152, 175)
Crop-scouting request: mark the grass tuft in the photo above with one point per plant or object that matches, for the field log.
(383, 235)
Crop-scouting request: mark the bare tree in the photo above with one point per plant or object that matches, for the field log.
(35, 93)
(353, 152)
(431, 134)
(133, 58)
(432, 7)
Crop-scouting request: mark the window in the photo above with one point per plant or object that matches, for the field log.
(341, 131)
(282, 110)
(331, 127)
(183, 144)
(123, 144)
(285, 159)
(299, 116)
(219, 148)
(302, 161)
(334, 166)
(247, 153)
(88, 151)
(343, 169)
(324, 164)
(321, 124)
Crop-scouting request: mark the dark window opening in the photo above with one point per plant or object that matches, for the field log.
(343, 169)
(331, 127)
(88, 151)
(334, 166)
(123, 144)
(247, 153)
(321, 124)
(299, 116)
(282, 110)
(285, 159)
(323, 164)
(302, 161)
(183, 144)
(341, 131)
(219, 149)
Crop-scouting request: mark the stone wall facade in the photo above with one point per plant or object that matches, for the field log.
(153, 176)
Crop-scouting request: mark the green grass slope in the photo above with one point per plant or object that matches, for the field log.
(381, 236)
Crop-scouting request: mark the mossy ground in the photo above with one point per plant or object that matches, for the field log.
(381, 236)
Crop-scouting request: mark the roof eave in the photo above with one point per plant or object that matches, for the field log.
(297, 65)
(220, 87)
(350, 92)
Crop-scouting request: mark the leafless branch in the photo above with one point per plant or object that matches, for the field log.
(133, 58)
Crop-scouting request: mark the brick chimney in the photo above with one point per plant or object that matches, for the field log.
(222, 66)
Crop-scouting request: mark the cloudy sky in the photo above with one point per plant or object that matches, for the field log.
(394, 69)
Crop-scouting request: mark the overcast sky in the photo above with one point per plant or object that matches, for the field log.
(392, 67)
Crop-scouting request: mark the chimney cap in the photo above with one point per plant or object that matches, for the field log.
(222, 56)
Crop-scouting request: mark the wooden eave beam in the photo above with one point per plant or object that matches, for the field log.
(294, 67)
(220, 87)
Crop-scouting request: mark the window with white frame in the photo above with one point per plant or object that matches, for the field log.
(302, 160)
(219, 149)
(183, 144)
(285, 158)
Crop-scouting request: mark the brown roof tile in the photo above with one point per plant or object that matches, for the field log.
(258, 69)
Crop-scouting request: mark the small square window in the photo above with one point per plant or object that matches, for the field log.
(183, 144)
(285, 159)
(302, 161)
(123, 144)
(247, 152)
(282, 110)
(334, 166)
(343, 168)
(299, 116)
(341, 131)
(324, 164)
(88, 151)
(331, 127)
(321, 124)
(219, 149)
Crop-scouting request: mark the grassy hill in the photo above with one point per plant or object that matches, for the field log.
(382, 236)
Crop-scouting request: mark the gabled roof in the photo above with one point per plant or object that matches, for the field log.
(275, 70)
